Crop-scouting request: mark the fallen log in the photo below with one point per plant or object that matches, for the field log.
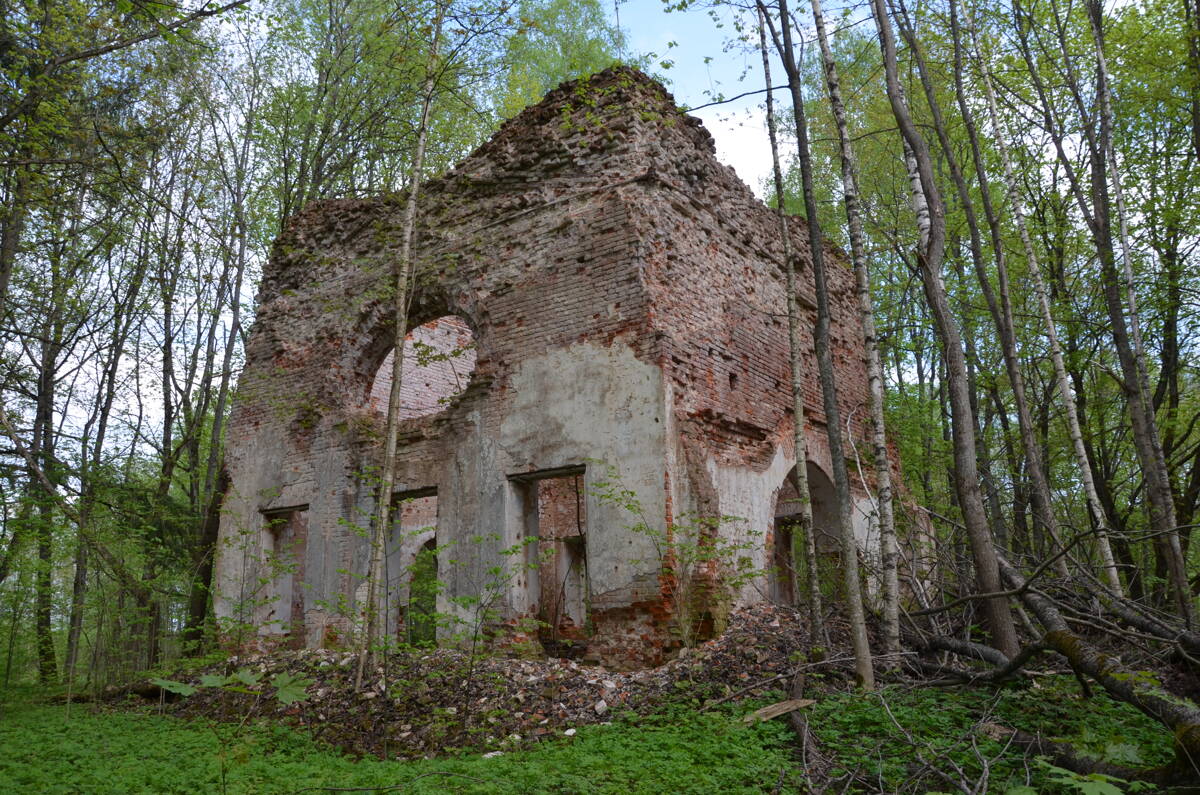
(1167, 778)
(778, 708)
(1182, 717)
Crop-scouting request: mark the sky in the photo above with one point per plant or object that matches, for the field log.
(705, 67)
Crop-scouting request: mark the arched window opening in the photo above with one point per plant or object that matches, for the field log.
(439, 360)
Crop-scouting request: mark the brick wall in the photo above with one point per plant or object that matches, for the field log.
(598, 220)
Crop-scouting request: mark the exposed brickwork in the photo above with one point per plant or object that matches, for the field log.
(439, 359)
(625, 295)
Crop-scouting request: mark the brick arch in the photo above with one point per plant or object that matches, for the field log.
(377, 326)
(431, 387)
(824, 508)
(377, 330)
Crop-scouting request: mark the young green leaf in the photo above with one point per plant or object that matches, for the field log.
(181, 688)
(289, 688)
(246, 677)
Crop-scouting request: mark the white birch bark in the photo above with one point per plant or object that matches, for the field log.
(800, 444)
(889, 549)
(1071, 411)
(1095, 18)
(855, 613)
(966, 472)
(383, 501)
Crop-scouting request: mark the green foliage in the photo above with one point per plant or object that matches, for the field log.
(556, 40)
(679, 751)
(876, 736)
(420, 618)
(1090, 784)
(47, 749)
(288, 688)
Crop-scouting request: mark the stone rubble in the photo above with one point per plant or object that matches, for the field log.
(431, 703)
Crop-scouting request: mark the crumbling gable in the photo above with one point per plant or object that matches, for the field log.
(595, 297)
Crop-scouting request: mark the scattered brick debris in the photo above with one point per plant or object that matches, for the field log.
(427, 704)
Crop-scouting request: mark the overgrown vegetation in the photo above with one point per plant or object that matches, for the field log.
(44, 750)
(912, 739)
(1029, 237)
(899, 739)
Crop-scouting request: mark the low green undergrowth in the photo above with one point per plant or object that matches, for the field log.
(913, 739)
(896, 740)
(43, 750)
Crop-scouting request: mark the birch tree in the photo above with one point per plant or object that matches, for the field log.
(863, 663)
(966, 473)
(381, 520)
(1001, 136)
(816, 617)
(889, 549)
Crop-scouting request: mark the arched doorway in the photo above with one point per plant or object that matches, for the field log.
(421, 623)
(783, 579)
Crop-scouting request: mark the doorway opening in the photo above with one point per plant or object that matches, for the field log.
(412, 565)
(786, 573)
(555, 526)
(285, 535)
(423, 589)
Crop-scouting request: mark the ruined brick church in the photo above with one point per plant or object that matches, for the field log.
(596, 300)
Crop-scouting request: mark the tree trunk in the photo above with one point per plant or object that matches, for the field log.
(864, 667)
(799, 442)
(11, 226)
(1158, 483)
(1096, 214)
(1001, 311)
(43, 451)
(987, 571)
(78, 597)
(1179, 715)
(889, 549)
(1074, 430)
(202, 565)
(43, 584)
(383, 499)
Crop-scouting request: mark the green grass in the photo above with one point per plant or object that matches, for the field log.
(44, 751)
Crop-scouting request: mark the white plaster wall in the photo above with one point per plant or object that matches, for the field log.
(750, 496)
(586, 404)
(260, 482)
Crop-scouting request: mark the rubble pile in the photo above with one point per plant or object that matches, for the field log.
(419, 704)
